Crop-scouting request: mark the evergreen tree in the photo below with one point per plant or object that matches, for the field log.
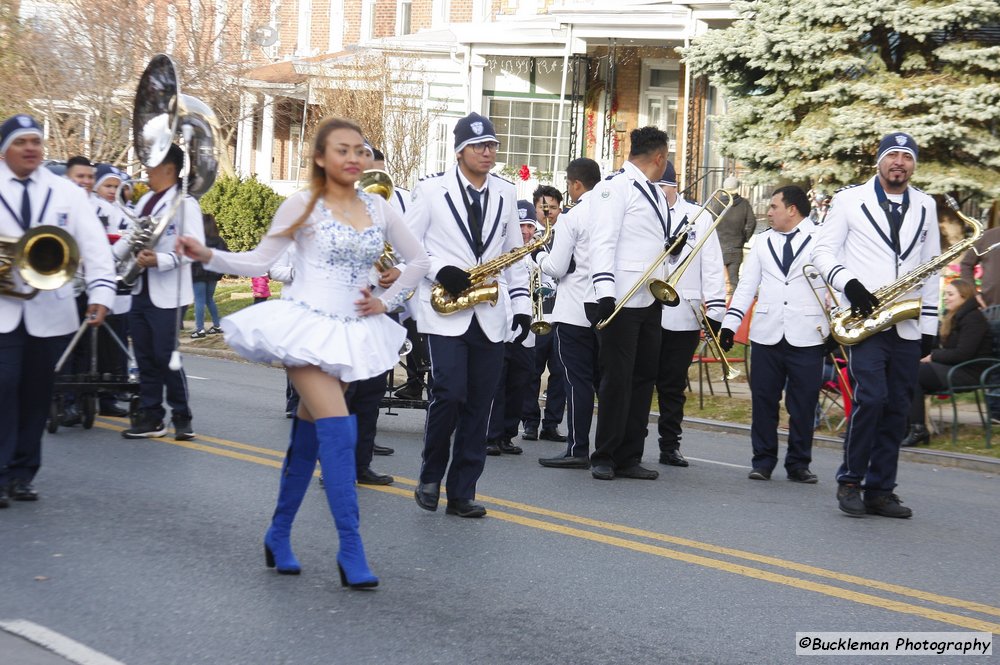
(813, 85)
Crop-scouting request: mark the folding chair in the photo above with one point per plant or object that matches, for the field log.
(835, 394)
(703, 359)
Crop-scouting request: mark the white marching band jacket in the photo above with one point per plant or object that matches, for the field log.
(58, 202)
(163, 276)
(786, 306)
(704, 281)
(437, 217)
(854, 242)
(115, 223)
(627, 235)
(571, 244)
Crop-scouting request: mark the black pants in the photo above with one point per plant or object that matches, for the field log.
(546, 352)
(629, 351)
(577, 347)
(363, 399)
(677, 349)
(798, 371)
(465, 371)
(27, 375)
(154, 333)
(505, 414)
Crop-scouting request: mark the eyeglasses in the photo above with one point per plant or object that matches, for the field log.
(480, 148)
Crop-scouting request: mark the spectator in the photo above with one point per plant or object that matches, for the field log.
(205, 281)
(735, 231)
(965, 334)
(261, 288)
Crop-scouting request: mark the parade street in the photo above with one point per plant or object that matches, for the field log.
(150, 552)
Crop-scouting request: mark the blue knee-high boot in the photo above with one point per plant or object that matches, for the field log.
(337, 438)
(297, 471)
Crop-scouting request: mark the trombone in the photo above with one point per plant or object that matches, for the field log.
(811, 272)
(665, 291)
(712, 341)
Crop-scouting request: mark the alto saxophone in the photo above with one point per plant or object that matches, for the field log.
(484, 287)
(848, 328)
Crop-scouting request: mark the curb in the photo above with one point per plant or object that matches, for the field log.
(939, 457)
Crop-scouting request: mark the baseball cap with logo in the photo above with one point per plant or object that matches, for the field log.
(897, 141)
(473, 128)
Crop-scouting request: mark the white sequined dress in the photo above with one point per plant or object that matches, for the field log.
(315, 321)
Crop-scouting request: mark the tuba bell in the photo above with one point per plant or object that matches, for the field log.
(45, 258)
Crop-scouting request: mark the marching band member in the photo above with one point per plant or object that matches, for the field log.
(155, 298)
(704, 282)
(507, 410)
(33, 333)
(548, 205)
(464, 217)
(569, 263)
(330, 331)
(80, 170)
(628, 235)
(786, 335)
(873, 234)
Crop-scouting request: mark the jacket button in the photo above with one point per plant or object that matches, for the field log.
(786, 302)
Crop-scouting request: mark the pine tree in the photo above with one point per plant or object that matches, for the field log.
(812, 86)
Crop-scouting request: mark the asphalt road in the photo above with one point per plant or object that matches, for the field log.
(150, 552)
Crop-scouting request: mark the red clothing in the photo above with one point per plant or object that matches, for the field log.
(261, 287)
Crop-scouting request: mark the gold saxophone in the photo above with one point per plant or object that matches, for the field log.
(848, 328)
(484, 287)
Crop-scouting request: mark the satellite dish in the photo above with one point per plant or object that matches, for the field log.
(265, 35)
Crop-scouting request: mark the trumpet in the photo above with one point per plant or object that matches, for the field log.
(45, 257)
(665, 291)
(539, 293)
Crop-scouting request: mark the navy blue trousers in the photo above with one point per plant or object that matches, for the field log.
(884, 370)
(577, 349)
(546, 352)
(465, 372)
(677, 349)
(154, 332)
(363, 399)
(629, 351)
(798, 370)
(27, 375)
(505, 415)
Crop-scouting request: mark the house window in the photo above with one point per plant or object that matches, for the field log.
(302, 45)
(527, 131)
(404, 17)
(440, 156)
(294, 142)
(661, 91)
(367, 20)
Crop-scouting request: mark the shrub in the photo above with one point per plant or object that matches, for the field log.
(243, 209)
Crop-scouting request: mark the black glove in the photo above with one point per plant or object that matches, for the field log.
(538, 250)
(603, 310)
(454, 280)
(726, 340)
(714, 326)
(680, 245)
(927, 345)
(522, 321)
(863, 303)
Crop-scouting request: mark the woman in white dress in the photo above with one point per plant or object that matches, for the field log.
(327, 331)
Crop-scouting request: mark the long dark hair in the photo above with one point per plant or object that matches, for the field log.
(211, 227)
(966, 290)
(317, 176)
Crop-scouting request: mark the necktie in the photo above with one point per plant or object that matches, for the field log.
(787, 255)
(896, 217)
(25, 204)
(476, 217)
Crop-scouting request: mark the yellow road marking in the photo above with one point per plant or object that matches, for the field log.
(798, 583)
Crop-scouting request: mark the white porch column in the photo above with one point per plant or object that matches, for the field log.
(475, 101)
(244, 135)
(263, 165)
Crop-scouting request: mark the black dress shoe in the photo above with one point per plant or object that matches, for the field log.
(493, 448)
(506, 446)
(759, 474)
(21, 490)
(530, 433)
(803, 476)
(602, 472)
(427, 495)
(563, 462)
(464, 508)
(639, 472)
(552, 434)
(4, 498)
(368, 477)
(673, 458)
(382, 450)
(113, 410)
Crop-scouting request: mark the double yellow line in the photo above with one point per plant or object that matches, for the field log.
(651, 542)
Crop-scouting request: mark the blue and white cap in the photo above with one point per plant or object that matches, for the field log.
(18, 125)
(105, 171)
(669, 176)
(526, 212)
(473, 128)
(896, 141)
